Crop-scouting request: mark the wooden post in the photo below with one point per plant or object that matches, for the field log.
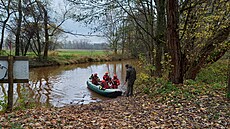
(11, 83)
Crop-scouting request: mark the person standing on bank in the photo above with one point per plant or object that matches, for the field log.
(130, 78)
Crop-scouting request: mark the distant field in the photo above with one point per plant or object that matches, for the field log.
(68, 52)
(81, 52)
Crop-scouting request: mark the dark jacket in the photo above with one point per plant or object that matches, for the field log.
(95, 80)
(130, 74)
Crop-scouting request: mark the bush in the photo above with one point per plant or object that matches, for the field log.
(215, 73)
(3, 104)
(3, 53)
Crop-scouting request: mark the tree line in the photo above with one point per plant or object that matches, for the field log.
(30, 25)
(179, 36)
(83, 44)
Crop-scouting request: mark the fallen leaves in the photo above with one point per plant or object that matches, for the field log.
(127, 112)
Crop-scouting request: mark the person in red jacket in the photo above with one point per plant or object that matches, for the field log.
(106, 76)
(115, 82)
(104, 85)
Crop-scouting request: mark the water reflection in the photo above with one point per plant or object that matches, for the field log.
(64, 85)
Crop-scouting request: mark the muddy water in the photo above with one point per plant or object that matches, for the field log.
(64, 85)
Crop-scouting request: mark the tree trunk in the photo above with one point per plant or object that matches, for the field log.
(173, 44)
(19, 22)
(39, 43)
(46, 49)
(123, 39)
(160, 35)
(4, 23)
(3, 32)
(27, 47)
(220, 37)
(115, 51)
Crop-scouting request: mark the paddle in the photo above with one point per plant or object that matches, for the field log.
(123, 84)
(101, 88)
(122, 88)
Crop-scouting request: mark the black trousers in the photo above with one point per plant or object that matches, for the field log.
(130, 88)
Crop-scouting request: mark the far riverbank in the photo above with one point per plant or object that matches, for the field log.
(59, 58)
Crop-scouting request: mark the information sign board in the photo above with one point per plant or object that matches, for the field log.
(20, 69)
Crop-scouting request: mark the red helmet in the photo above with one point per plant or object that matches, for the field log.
(106, 73)
(115, 76)
(95, 74)
(102, 80)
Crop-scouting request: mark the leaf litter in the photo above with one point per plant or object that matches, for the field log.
(137, 112)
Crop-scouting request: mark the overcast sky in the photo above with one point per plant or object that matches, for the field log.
(73, 26)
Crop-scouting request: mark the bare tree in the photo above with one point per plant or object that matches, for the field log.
(18, 32)
(6, 6)
(160, 35)
(45, 22)
(113, 31)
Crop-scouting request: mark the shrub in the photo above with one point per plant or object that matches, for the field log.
(3, 104)
(215, 73)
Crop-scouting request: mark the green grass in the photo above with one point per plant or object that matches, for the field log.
(81, 52)
(66, 56)
(210, 81)
(70, 56)
(63, 55)
(66, 52)
(215, 73)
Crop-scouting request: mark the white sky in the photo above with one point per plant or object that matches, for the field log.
(75, 27)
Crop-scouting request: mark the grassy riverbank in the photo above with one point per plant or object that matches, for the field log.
(66, 57)
(70, 56)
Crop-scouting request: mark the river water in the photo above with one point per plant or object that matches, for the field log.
(65, 85)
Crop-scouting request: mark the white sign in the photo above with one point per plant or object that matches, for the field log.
(3, 69)
(20, 69)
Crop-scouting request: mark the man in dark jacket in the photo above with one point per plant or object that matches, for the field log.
(130, 78)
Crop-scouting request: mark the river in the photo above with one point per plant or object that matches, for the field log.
(65, 85)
